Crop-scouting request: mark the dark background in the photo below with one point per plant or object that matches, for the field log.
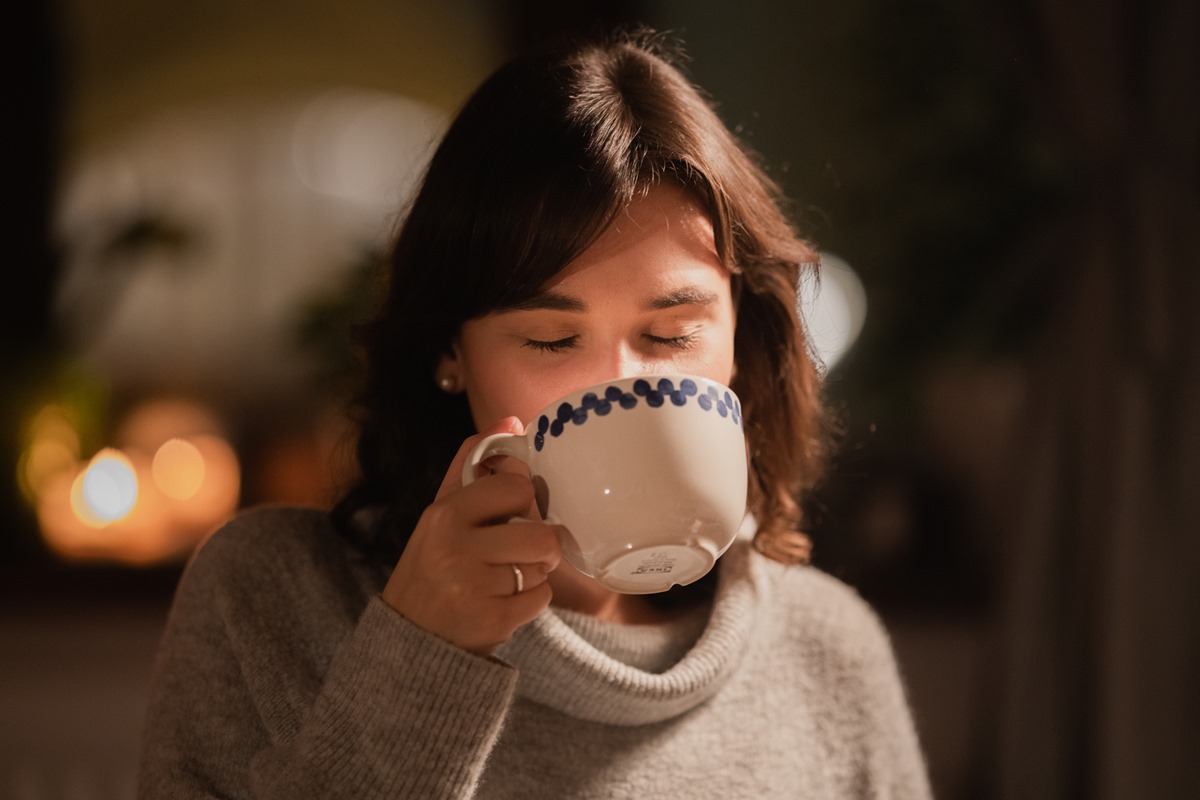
(1016, 185)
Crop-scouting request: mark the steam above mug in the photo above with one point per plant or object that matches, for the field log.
(647, 475)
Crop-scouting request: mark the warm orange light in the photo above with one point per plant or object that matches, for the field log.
(152, 500)
(61, 526)
(143, 536)
(178, 469)
(53, 422)
(217, 494)
(150, 424)
(53, 450)
(43, 460)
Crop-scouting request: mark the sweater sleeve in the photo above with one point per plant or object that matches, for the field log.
(271, 683)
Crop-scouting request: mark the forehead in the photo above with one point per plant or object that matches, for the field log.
(664, 223)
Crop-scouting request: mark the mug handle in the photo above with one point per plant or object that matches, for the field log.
(498, 444)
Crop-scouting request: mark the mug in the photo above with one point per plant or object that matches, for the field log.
(646, 474)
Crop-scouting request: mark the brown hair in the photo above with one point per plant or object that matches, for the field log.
(533, 169)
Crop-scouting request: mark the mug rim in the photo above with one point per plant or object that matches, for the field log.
(604, 397)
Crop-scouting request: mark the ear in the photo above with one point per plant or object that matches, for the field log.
(448, 372)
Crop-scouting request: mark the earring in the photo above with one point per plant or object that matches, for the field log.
(448, 384)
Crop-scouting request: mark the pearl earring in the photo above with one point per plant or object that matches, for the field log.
(448, 384)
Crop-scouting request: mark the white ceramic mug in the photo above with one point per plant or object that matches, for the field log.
(647, 475)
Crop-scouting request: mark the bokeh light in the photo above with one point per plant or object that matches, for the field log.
(178, 469)
(834, 309)
(216, 495)
(169, 478)
(107, 490)
(53, 449)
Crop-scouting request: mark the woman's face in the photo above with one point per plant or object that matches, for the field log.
(649, 296)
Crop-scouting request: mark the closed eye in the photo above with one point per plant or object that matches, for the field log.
(683, 342)
(557, 346)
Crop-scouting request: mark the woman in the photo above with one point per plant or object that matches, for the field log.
(586, 217)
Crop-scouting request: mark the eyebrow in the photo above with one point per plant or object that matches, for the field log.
(685, 296)
(556, 301)
(548, 301)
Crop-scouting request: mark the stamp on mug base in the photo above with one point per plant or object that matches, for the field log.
(656, 569)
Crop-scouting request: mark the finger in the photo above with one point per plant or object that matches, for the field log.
(501, 617)
(491, 500)
(521, 543)
(508, 580)
(524, 607)
(452, 481)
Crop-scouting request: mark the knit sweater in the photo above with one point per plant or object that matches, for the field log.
(282, 674)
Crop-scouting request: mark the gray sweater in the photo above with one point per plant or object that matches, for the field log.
(283, 675)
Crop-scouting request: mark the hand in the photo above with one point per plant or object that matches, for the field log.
(455, 578)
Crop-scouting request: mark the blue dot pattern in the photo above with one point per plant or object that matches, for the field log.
(664, 391)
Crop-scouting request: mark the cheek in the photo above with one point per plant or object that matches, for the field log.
(538, 395)
(721, 365)
(723, 368)
(495, 393)
(500, 384)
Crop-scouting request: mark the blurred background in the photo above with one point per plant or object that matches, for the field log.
(1008, 197)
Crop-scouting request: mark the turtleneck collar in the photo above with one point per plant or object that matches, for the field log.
(563, 670)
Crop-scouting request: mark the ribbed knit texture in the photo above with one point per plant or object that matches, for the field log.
(561, 670)
(651, 648)
(283, 675)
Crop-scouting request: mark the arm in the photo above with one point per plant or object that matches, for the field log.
(401, 714)
(246, 704)
(273, 680)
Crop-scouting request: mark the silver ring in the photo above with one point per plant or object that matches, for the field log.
(518, 579)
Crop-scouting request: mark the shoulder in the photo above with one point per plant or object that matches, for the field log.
(816, 594)
(828, 618)
(831, 643)
(282, 549)
(267, 531)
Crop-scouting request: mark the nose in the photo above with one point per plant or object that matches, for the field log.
(621, 360)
